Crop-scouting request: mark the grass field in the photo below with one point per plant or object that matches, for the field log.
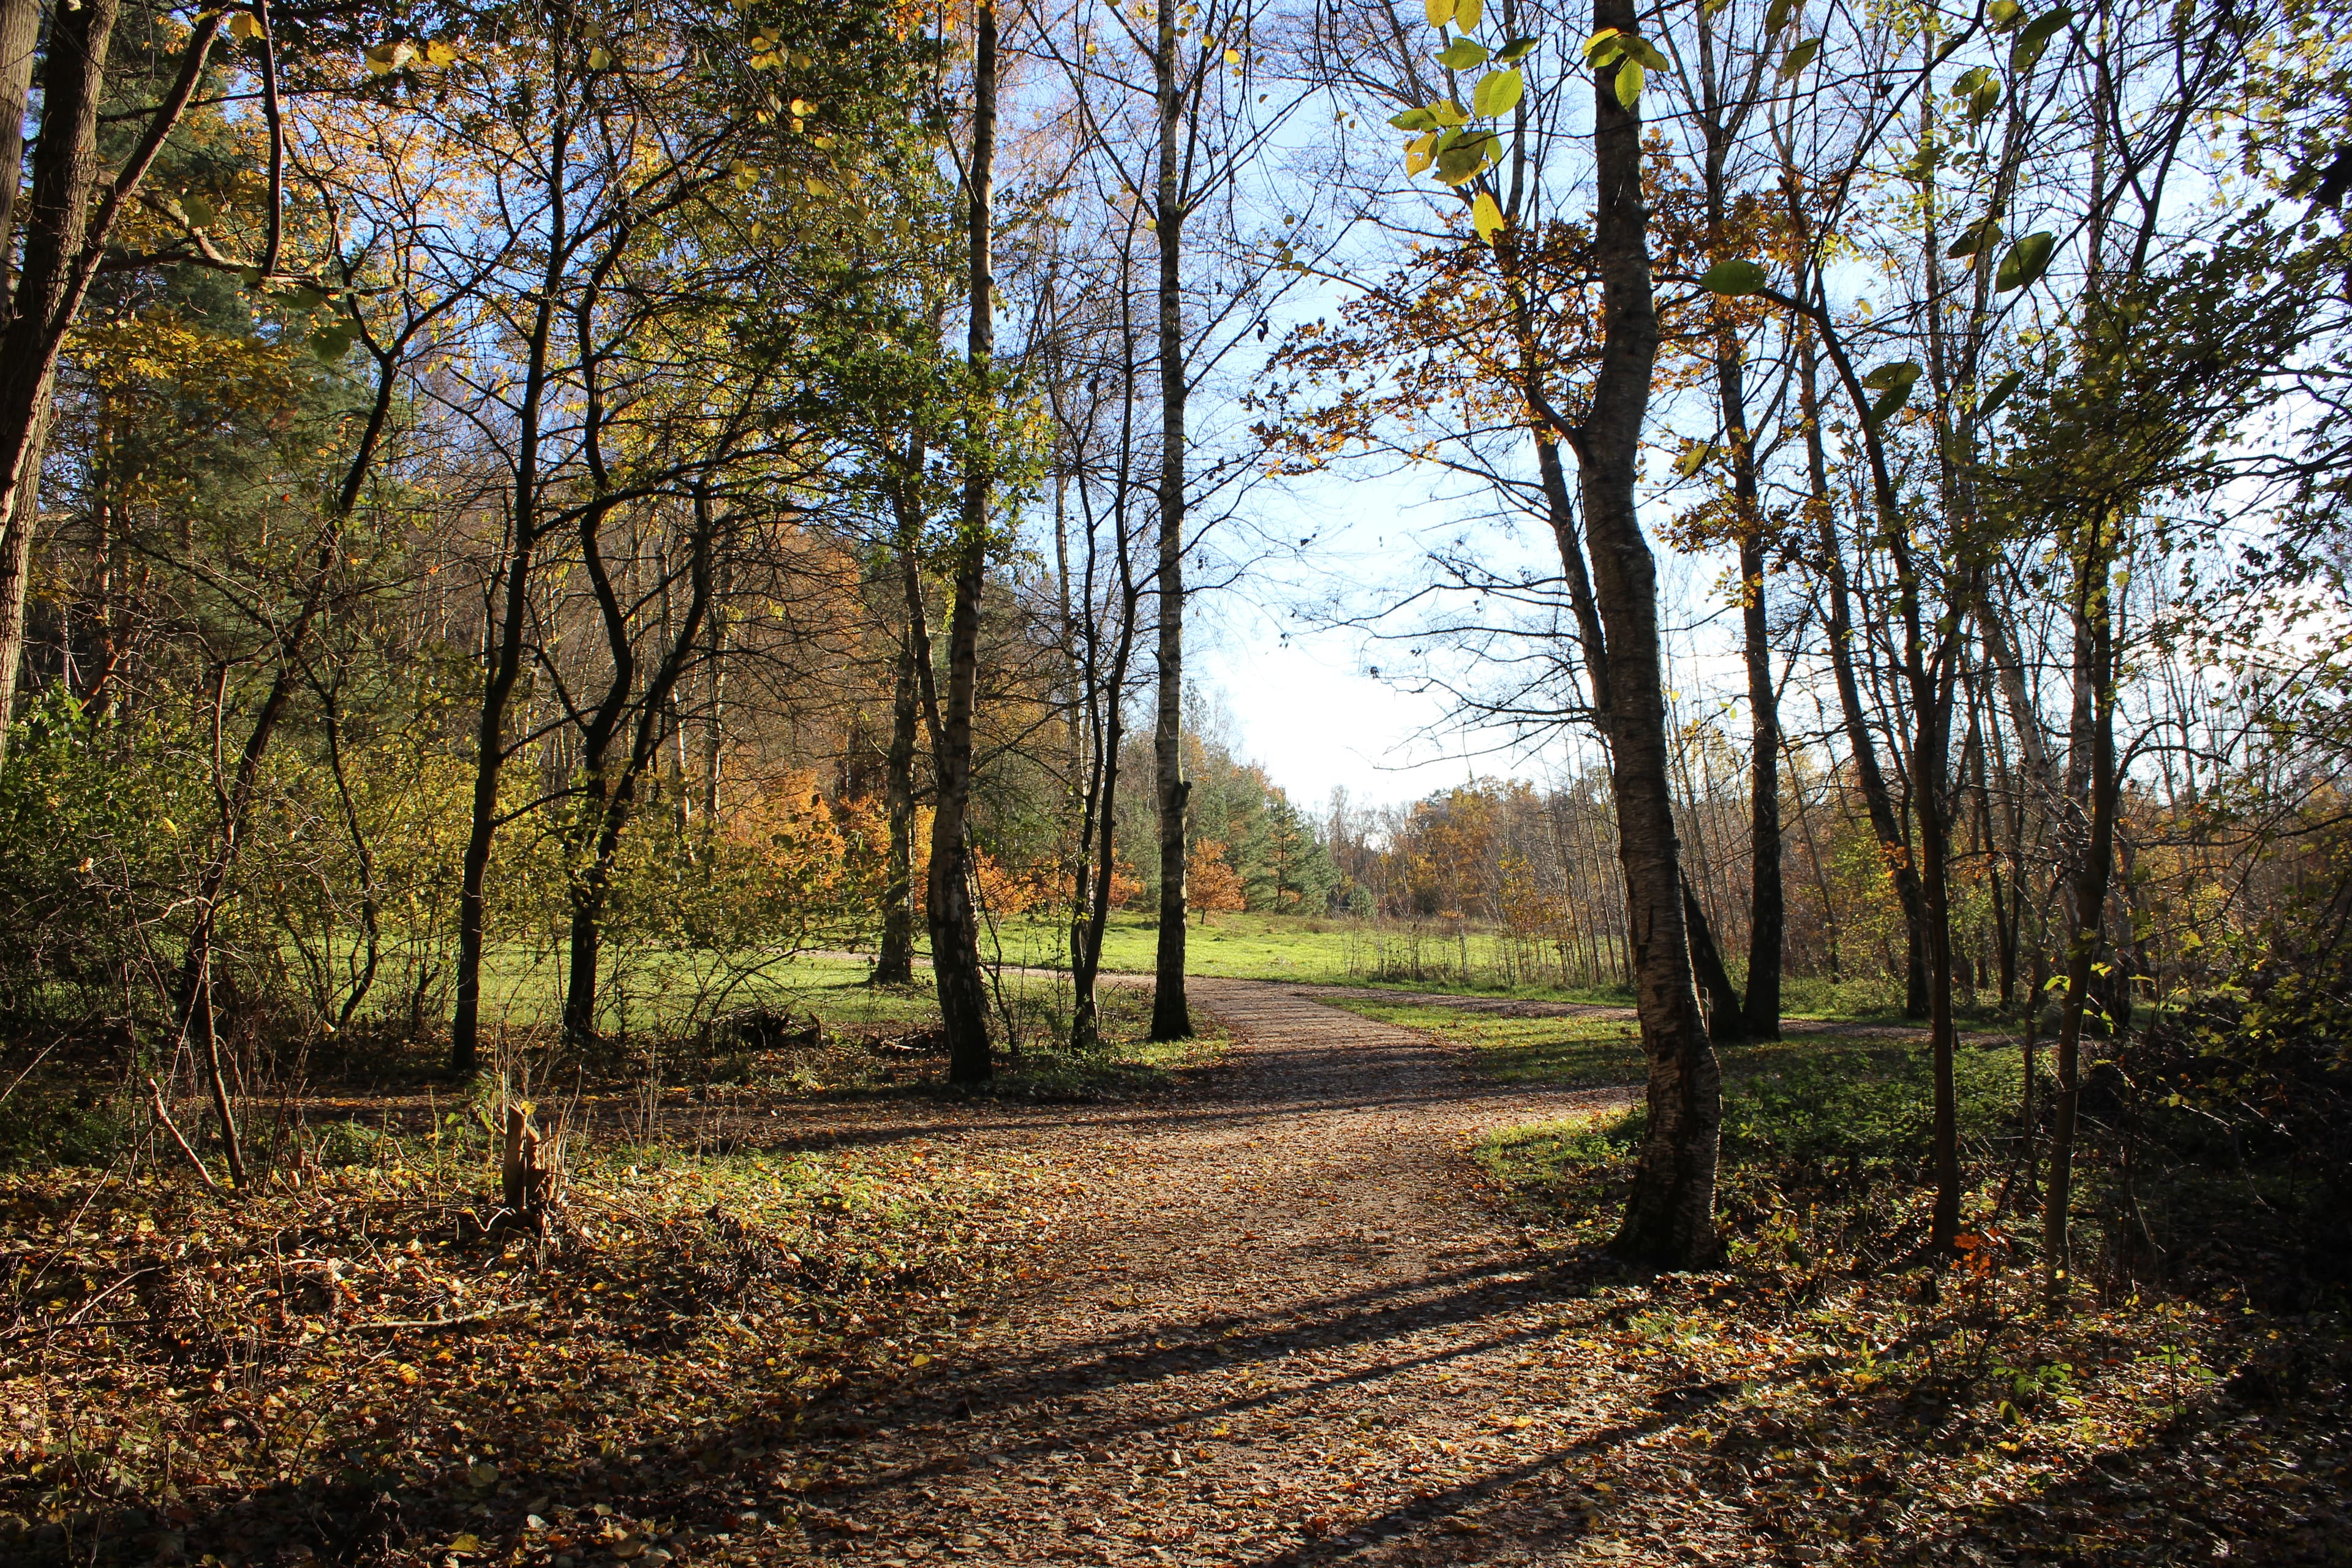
(665, 991)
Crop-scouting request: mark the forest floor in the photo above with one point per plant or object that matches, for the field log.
(1324, 1298)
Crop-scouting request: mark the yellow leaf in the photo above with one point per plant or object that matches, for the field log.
(599, 57)
(468, 1541)
(1487, 218)
(1629, 83)
(1466, 14)
(1233, 56)
(817, 187)
(242, 26)
(1440, 12)
(802, 107)
(1419, 152)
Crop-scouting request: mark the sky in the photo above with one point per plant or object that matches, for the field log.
(1299, 689)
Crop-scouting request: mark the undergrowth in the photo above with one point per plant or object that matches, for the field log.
(1864, 1401)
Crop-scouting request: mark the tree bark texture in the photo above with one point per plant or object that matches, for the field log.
(65, 227)
(895, 963)
(2092, 760)
(55, 224)
(954, 927)
(1170, 1018)
(1670, 1213)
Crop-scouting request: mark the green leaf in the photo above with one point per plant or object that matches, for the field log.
(1413, 119)
(1497, 93)
(1646, 52)
(2005, 14)
(599, 58)
(1777, 15)
(1629, 83)
(1446, 111)
(1516, 50)
(1980, 90)
(333, 340)
(1462, 54)
(1486, 217)
(1714, 8)
(1978, 237)
(1893, 383)
(2036, 38)
(2026, 261)
(199, 211)
(1421, 152)
(1468, 156)
(2001, 392)
(1440, 12)
(1603, 47)
(1798, 57)
(1733, 278)
(1467, 13)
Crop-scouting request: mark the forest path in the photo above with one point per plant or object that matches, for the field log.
(1285, 1329)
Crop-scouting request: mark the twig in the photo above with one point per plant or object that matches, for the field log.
(173, 1127)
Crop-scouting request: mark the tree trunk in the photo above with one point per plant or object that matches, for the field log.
(1931, 741)
(20, 38)
(1170, 1018)
(2094, 761)
(895, 963)
(1766, 912)
(508, 632)
(1868, 777)
(954, 929)
(55, 223)
(1670, 1213)
(65, 227)
(1726, 1020)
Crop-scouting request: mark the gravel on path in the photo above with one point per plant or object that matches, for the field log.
(1287, 1327)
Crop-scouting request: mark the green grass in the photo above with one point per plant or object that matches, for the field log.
(1230, 947)
(1797, 1111)
(1427, 955)
(1575, 1053)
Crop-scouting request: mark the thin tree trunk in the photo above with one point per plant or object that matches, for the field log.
(20, 38)
(1766, 915)
(895, 963)
(508, 629)
(614, 798)
(1877, 800)
(234, 798)
(1725, 1025)
(1170, 1018)
(1670, 1213)
(2094, 746)
(955, 931)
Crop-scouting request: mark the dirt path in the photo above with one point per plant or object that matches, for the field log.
(1290, 1329)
